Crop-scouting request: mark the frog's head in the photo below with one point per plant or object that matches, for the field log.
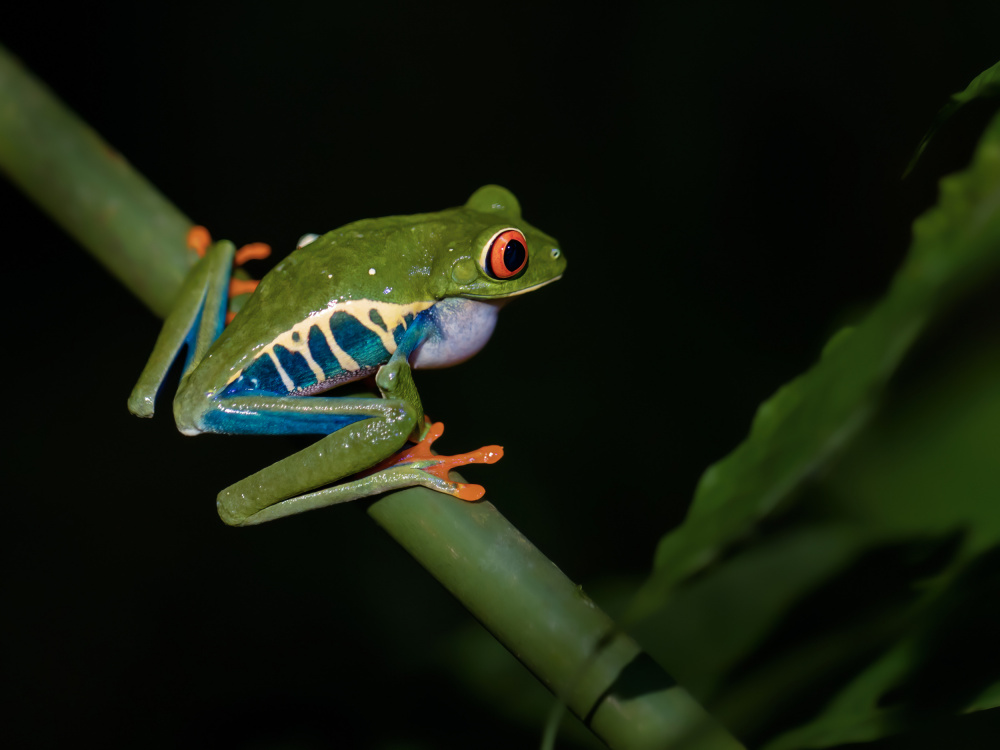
(500, 255)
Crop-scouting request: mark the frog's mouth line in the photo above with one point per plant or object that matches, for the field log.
(512, 294)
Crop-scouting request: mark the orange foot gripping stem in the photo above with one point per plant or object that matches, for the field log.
(422, 458)
(198, 239)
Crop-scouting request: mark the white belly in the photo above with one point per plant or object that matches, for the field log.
(463, 328)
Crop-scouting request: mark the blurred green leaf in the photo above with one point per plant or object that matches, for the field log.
(944, 663)
(986, 83)
(808, 422)
(854, 715)
(694, 631)
(835, 577)
(907, 631)
(989, 698)
(929, 463)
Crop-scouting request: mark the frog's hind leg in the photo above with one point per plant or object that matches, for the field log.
(412, 467)
(362, 431)
(197, 319)
(362, 435)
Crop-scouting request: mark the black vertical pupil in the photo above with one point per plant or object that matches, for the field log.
(513, 255)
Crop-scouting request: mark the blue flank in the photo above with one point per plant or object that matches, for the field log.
(321, 353)
(232, 422)
(364, 346)
(261, 376)
(295, 367)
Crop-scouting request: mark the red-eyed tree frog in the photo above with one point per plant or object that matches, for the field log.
(373, 298)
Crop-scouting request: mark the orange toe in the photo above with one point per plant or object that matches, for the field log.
(439, 466)
(253, 251)
(242, 286)
(198, 239)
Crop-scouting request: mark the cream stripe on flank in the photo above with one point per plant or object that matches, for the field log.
(360, 309)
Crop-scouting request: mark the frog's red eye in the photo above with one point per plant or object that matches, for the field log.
(506, 254)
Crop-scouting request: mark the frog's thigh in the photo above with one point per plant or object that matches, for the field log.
(381, 429)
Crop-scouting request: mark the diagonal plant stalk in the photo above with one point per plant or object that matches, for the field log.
(520, 596)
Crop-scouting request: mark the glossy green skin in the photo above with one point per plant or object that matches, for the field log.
(420, 257)
(426, 260)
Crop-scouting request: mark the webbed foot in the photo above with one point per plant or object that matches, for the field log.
(420, 457)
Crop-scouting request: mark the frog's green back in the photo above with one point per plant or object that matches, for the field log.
(336, 309)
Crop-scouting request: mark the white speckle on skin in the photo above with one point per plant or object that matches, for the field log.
(371, 271)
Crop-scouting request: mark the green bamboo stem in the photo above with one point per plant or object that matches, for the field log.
(90, 190)
(516, 592)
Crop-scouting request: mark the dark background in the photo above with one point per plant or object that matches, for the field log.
(726, 186)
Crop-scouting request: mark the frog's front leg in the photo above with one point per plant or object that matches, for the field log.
(197, 318)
